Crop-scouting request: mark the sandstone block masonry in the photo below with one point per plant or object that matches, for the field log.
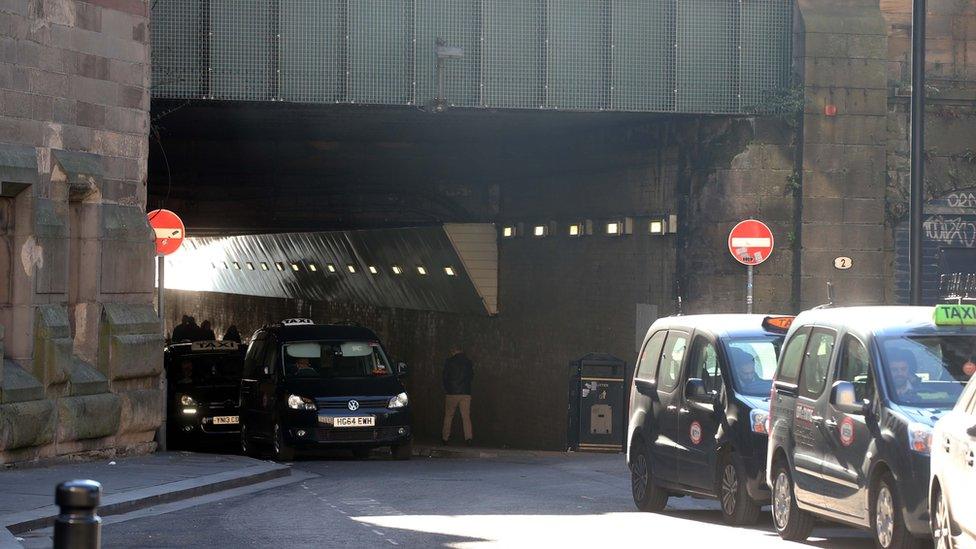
(80, 343)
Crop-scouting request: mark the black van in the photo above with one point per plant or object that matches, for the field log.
(856, 394)
(698, 419)
(202, 381)
(311, 386)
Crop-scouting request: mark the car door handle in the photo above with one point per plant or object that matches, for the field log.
(684, 411)
(830, 423)
(818, 420)
(947, 445)
(969, 459)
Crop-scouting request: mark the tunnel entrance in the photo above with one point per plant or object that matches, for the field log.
(584, 213)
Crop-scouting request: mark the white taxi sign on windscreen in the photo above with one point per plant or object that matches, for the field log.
(214, 346)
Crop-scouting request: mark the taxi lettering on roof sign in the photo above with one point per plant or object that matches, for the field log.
(213, 346)
(955, 315)
(296, 321)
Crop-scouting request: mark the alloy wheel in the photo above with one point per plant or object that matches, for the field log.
(942, 526)
(781, 500)
(730, 487)
(638, 477)
(884, 520)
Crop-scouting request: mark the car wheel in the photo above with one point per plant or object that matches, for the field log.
(791, 522)
(647, 495)
(282, 451)
(941, 522)
(402, 451)
(738, 508)
(247, 447)
(889, 528)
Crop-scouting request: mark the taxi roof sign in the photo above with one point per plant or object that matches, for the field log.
(296, 321)
(214, 346)
(955, 315)
(778, 323)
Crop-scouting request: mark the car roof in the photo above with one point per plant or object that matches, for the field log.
(311, 332)
(879, 320)
(721, 325)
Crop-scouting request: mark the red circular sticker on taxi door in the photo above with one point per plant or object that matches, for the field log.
(846, 430)
(695, 432)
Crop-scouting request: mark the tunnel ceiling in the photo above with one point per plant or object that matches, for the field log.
(452, 268)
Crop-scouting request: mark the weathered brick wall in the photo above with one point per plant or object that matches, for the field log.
(79, 370)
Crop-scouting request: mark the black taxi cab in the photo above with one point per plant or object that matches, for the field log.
(202, 381)
(856, 394)
(698, 410)
(313, 386)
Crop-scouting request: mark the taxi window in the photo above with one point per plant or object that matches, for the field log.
(789, 371)
(855, 367)
(816, 361)
(704, 365)
(647, 368)
(674, 352)
(928, 371)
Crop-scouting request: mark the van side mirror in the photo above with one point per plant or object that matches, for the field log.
(266, 370)
(695, 391)
(844, 398)
(401, 368)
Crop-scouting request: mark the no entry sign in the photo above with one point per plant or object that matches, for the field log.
(169, 230)
(750, 242)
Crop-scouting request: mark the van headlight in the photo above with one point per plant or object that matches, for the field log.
(920, 438)
(296, 402)
(399, 401)
(187, 400)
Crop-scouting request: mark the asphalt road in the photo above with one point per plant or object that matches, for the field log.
(572, 500)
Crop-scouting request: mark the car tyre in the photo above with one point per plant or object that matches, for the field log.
(247, 446)
(942, 525)
(647, 495)
(738, 508)
(791, 522)
(403, 451)
(886, 522)
(281, 450)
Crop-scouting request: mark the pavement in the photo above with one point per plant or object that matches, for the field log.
(128, 484)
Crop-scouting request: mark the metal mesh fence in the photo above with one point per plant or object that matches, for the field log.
(693, 56)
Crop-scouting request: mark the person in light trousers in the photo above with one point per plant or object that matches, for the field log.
(458, 373)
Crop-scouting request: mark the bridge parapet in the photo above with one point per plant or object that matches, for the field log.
(688, 56)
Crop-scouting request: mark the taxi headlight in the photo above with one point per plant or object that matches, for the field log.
(187, 400)
(399, 401)
(759, 421)
(296, 402)
(920, 438)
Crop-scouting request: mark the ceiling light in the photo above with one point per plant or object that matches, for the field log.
(250, 266)
(373, 270)
(264, 266)
(294, 267)
(351, 268)
(449, 271)
(397, 270)
(312, 267)
(421, 270)
(331, 268)
(279, 265)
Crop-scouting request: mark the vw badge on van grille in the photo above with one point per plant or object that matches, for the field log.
(353, 405)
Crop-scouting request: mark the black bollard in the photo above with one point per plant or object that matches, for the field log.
(78, 526)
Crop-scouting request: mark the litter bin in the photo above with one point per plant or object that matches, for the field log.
(597, 403)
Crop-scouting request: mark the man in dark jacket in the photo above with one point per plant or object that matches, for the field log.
(182, 332)
(458, 373)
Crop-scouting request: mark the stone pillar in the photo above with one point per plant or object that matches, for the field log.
(842, 55)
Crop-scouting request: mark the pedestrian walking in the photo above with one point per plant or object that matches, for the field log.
(458, 373)
(206, 332)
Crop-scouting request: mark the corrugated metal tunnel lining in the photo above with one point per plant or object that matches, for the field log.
(451, 268)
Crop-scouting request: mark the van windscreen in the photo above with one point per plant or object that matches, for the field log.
(928, 371)
(328, 359)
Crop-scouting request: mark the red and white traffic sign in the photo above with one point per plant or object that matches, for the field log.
(169, 229)
(750, 242)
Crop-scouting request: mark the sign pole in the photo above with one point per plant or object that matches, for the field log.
(161, 275)
(916, 191)
(749, 289)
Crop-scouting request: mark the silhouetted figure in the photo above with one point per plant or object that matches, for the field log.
(206, 332)
(232, 334)
(458, 373)
(183, 331)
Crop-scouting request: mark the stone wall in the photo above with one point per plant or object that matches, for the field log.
(79, 338)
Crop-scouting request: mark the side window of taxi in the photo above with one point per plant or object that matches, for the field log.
(647, 367)
(792, 357)
(253, 358)
(704, 365)
(813, 373)
(854, 366)
(670, 370)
